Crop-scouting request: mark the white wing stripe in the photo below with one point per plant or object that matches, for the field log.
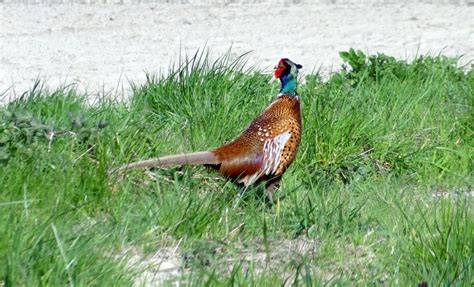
(272, 152)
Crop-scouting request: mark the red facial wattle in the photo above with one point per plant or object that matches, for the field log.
(281, 68)
(278, 72)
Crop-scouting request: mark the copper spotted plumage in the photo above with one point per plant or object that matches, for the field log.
(263, 151)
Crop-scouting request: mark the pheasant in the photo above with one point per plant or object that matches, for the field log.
(263, 151)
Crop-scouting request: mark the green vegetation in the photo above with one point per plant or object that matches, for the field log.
(381, 191)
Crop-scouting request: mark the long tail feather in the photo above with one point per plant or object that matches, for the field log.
(197, 158)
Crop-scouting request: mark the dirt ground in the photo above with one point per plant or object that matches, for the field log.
(101, 47)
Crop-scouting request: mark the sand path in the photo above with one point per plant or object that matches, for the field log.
(100, 47)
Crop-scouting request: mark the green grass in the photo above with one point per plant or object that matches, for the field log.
(381, 191)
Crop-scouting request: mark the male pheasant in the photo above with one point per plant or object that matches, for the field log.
(263, 151)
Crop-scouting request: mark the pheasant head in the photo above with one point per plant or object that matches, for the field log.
(287, 72)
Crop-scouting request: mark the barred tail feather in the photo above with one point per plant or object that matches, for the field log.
(197, 158)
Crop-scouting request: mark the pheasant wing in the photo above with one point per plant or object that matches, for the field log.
(272, 158)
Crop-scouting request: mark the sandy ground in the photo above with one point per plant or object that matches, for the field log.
(101, 47)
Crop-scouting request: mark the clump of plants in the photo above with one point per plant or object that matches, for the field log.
(359, 67)
(21, 133)
(380, 115)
